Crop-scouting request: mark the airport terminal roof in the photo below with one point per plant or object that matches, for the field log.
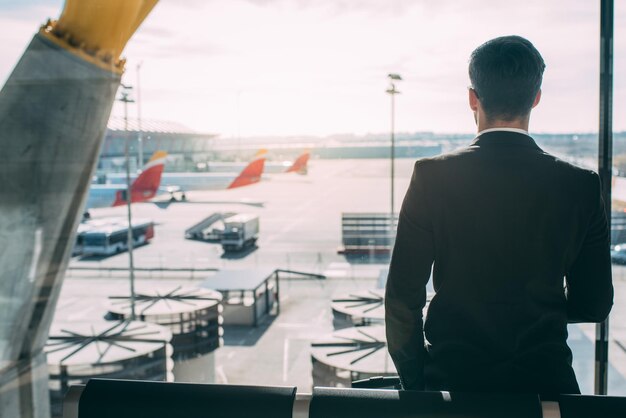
(117, 123)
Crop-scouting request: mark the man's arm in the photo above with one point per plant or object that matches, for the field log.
(589, 281)
(405, 297)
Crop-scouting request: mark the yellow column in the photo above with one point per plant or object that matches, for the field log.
(98, 30)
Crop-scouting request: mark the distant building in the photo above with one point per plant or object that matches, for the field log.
(184, 146)
(192, 151)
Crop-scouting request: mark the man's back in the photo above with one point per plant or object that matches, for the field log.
(504, 223)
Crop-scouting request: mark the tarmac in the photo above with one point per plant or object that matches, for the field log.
(300, 230)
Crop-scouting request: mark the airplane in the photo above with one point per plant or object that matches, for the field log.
(183, 182)
(145, 186)
(299, 165)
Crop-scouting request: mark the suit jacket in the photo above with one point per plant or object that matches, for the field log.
(518, 243)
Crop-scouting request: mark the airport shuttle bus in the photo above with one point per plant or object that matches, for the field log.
(112, 238)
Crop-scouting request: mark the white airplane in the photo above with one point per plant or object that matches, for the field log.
(183, 182)
(144, 187)
(299, 165)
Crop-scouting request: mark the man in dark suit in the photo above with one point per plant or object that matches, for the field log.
(518, 244)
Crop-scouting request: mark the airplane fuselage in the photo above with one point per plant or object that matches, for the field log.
(185, 181)
(102, 195)
(232, 167)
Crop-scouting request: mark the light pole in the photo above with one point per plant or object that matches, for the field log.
(392, 91)
(125, 98)
(140, 135)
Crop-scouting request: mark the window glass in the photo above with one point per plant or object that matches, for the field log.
(617, 335)
(256, 266)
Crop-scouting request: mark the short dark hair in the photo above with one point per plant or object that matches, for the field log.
(506, 74)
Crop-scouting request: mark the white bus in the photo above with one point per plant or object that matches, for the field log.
(111, 238)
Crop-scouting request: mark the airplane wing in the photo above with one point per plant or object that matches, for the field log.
(170, 189)
(165, 203)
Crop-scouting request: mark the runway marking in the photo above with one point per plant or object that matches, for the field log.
(221, 374)
(335, 273)
(302, 210)
(79, 315)
(285, 358)
(320, 316)
(302, 325)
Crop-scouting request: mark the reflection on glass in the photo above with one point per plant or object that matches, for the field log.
(290, 89)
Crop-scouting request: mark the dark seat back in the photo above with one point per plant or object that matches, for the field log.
(584, 406)
(139, 399)
(366, 403)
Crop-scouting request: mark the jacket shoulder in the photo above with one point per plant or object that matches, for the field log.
(443, 159)
(586, 176)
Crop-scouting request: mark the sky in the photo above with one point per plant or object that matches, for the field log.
(319, 67)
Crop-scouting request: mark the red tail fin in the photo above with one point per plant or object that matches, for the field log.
(252, 173)
(147, 184)
(300, 165)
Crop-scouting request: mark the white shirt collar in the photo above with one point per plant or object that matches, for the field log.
(519, 131)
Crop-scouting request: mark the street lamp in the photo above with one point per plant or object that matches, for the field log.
(140, 135)
(125, 98)
(392, 91)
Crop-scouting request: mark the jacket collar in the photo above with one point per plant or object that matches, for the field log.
(504, 139)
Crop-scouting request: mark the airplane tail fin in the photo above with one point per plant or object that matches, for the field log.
(300, 165)
(147, 184)
(252, 173)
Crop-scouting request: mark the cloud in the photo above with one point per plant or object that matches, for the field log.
(328, 7)
(285, 60)
(304, 66)
(26, 5)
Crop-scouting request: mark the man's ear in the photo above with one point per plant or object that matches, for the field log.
(537, 99)
(473, 99)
